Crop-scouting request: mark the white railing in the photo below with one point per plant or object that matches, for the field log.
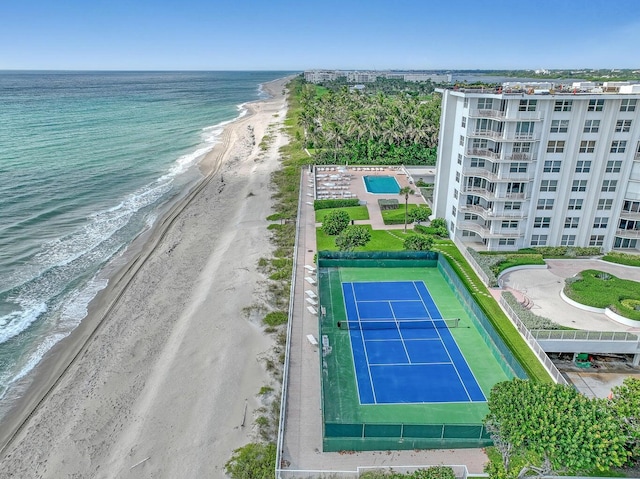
(533, 344)
(581, 335)
(487, 113)
(285, 371)
(472, 262)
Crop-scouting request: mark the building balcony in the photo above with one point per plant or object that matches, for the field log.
(500, 176)
(630, 215)
(487, 233)
(521, 157)
(628, 233)
(490, 214)
(483, 153)
(502, 135)
(497, 114)
(492, 195)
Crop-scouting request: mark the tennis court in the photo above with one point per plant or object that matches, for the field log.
(403, 351)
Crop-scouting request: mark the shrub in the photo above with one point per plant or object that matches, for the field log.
(335, 222)
(275, 318)
(623, 258)
(486, 263)
(530, 320)
(440, 232)
(253, 461)
(421, 213)
(352, 237)
(337, 203)
(418, 242)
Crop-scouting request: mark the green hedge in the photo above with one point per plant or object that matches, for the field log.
(623, 258)
(337, 203)
(396, 217)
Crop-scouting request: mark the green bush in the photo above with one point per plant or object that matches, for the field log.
(434, 472)
(530, 320)
(439, 231)
(253, 461)
(335, 222)
(337, 203)
(396, 217)
(418, 242)
(354, 212)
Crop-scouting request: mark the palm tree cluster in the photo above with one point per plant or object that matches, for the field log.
(354, 127)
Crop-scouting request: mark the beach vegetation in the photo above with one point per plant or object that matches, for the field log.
(353, 237)
(344, 126)
(252, 461)
(335, 221)
(265, 390)
(275, 318)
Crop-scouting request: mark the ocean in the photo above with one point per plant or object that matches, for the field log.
(87, 162)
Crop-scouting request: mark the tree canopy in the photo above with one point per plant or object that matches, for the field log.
(335, 222)
(358, 128)
(352, 237)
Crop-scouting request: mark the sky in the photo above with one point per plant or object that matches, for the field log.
(302, 34)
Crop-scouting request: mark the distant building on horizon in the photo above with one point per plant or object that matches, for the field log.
(370, 76)
(531, 165)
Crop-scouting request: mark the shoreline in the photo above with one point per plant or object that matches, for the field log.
(54, 374)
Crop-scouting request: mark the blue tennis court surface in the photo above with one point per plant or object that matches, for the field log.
(401, 352)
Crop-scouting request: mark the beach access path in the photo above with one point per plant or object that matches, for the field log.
(163, 373)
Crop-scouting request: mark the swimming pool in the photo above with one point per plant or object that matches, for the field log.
(381, 185)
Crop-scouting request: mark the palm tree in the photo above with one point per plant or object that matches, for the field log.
(406, 191)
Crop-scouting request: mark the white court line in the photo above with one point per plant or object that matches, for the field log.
(364, 345)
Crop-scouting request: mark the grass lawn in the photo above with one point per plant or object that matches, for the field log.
(395, 217)
(355, 213)
(381, 240)
(603, 290)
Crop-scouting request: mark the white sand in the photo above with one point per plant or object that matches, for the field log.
(166, 359)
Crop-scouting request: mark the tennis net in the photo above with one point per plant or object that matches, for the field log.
(400, 324)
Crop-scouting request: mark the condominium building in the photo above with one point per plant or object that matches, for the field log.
(528, 166)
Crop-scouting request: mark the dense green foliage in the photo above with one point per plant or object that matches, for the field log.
(603, 290)
(356, 128)
(335, 221)
(500, 322)
(253, 461)
(275, 318)
(354, 212)
(418, 242)
(625, 401)
(434, 472)
(397, 216)
(530, 320)
(622, 258)
(420, 213)
(556, 427)
(353, 237)
(337, 203)
(388, 86)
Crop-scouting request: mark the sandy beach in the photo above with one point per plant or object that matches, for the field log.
(157, 379)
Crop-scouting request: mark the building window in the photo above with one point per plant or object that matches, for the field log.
(464, 122)
(568, 240)
(477, 163)
(521, 147)
(583, 166)
(538, 240)
(571, 222)
(452, 226)
(600, 221)
(609, 185)
(545, 204)
(587, 146)
(559, 126)
(623, 126)
(579, 185)
(457, 177)
(515, 187)
(548, 185)
(459, 159)
(591, 126)
(552, 166)
(507, 241)
(527, 105)
(470, 217)
(453, 211)
(455, 193)
(512, 205)
(628, 104)
(618, 146)
(596, 240)
(510, 224)
(542, 222)
(625, 243)
(605, 204)
(524, 129)
(518, 168)
(461, 140)
(595, 105)
(613, 166)
(485, 103)
(466, 103)
(575, 204)
(555, 146)
(563, 105)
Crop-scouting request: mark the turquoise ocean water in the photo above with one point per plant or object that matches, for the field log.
(87, 160)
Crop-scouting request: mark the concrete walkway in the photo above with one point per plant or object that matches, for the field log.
(302, 445)
(543, 287)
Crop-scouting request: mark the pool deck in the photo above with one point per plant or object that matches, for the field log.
(302, 442)
(352, 177)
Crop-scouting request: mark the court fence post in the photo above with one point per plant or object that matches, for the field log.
(363, 428)
(442, 432)
(402, 431)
